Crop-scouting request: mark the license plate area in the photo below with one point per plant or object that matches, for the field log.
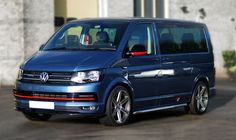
(41, 105)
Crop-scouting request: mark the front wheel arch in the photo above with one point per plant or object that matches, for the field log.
(108, 118)
(125, 85)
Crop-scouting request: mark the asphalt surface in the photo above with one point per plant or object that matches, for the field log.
(219, 123)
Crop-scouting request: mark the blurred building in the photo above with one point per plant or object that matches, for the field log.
(26, 24)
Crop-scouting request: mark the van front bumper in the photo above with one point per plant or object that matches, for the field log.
(80, 108)
(66, 99)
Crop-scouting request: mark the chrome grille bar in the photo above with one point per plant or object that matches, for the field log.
(54, 77)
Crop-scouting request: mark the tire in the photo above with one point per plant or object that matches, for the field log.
(37, 117)
(118, 107)
(200, 99)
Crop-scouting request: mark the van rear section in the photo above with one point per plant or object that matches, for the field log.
(186, 48)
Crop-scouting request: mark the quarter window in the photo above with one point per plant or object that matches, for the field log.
(181, 39)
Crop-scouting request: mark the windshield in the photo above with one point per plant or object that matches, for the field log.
(87, 36)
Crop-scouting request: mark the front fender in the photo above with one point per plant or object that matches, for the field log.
(115, 82)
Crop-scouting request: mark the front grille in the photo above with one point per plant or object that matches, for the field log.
(55, 96)
(54, 77)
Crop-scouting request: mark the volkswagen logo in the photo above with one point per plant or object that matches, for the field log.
(44, 77)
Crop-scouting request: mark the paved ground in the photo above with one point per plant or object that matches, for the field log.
(219, 123)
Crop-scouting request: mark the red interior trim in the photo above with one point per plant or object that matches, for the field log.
(138, 53)
(86, 39)
(53, 98)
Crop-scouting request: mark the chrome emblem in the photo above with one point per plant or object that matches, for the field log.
(44, 77)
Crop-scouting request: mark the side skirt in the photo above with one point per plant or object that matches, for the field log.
(159, 108)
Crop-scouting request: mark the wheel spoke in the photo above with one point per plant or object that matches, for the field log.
(125, 100)
(118, 96)
(114, 102)
(202, 104)
(198, 104)
(119, 116)
(202, 90)
(124, 111)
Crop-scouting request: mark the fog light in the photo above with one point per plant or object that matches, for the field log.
(88, 108)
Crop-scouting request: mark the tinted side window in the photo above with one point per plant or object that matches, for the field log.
(142, 35)
(181, 39)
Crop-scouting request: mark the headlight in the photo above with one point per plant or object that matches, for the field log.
(86, 77)
(20, 74)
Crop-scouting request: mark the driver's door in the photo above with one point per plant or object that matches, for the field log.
(143, 70)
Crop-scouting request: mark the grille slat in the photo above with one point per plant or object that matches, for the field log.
(32, 79)
(56, 96)
(59, 80)
(31, 75)
(54, 77)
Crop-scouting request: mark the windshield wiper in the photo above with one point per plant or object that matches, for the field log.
(83, 48)
(59, 48)
(106, 49)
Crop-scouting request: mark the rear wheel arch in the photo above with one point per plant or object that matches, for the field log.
(204, 79)
(191, 105)
(199, 79)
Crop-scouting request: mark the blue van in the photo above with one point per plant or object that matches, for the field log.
(114, 68)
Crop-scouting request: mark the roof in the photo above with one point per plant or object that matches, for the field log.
(137, 19)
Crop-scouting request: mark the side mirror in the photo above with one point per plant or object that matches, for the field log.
(41, 47)
(137, 50)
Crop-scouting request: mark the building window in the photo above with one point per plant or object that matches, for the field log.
(149, 8)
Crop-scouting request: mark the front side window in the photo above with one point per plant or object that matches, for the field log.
(181, 39)
(142, 35)
(87, 36)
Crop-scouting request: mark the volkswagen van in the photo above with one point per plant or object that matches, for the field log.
(114, 68)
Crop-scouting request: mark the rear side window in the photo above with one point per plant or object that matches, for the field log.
(181, 39)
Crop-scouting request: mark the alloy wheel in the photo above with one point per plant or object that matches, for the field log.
(201, 97)
(121, 106)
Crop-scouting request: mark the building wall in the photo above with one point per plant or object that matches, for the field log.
(38, 24)
(82, 8)
(120, 8)
(11, 39)
(60, 8)
(220, 18)
(24, 25)
(76, 8)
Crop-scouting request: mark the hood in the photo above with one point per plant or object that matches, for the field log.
(69, 60)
